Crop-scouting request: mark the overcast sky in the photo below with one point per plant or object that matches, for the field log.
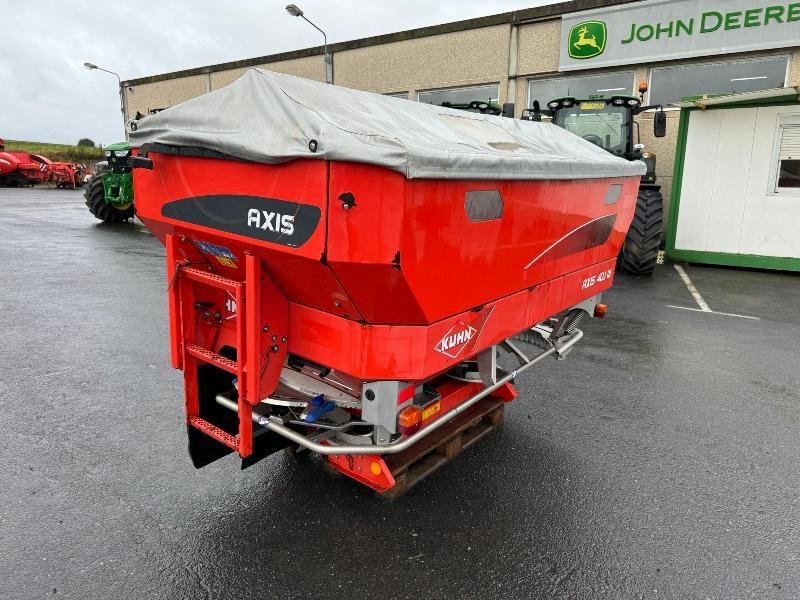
(47, 95)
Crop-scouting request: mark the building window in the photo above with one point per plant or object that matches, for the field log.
(788, 159)
(460, 95)
(607, 85)
(403, 95)
(670, 84)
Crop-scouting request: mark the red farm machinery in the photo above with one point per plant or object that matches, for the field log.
(25, 169)
(345, 269)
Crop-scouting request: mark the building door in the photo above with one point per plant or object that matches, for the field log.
(740, 188)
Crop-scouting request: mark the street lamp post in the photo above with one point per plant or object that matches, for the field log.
(295, 11)
(94, 67)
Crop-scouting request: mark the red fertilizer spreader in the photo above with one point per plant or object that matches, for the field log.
(345, 270)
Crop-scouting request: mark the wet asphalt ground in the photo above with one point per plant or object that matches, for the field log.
(660, 460)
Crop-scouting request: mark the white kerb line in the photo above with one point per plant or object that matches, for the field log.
(693, 290)
(714, 312)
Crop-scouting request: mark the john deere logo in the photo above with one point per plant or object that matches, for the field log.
(587, 39)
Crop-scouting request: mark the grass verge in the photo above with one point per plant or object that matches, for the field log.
(57, 152)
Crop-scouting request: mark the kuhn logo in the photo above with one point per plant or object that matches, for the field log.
(455, 340)
(270, 221)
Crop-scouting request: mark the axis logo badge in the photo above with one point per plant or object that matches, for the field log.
(587, 40)
(455, 340)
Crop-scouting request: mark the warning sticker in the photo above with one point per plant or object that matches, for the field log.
(431, 410)
(227, 262)
(223, 255)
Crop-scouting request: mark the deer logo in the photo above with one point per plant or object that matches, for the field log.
(583, 40)
(587, 39)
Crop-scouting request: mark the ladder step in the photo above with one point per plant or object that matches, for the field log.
(211, 279)
(231, 441)
(206, 355)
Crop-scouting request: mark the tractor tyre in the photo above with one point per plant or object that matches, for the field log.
(640, 250)
(95, 200)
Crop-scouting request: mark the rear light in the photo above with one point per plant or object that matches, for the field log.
(600, 311)
(409, 420)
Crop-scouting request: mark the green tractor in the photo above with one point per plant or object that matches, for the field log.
(109, 194)
(609, 123)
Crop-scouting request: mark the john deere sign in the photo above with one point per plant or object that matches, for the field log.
(657, 30)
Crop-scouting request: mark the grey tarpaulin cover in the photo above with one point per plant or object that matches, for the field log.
(269, 117)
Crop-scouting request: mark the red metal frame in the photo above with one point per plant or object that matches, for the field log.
(197, 337)
(368, 469)
(65, 174)
(187, 350)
